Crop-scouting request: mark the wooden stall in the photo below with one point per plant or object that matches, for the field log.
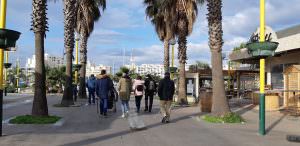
(292, 86)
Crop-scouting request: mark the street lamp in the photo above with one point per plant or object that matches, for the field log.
(262, 49)
(76, 57)
(8, 39)
(7, 65)
(172, 69)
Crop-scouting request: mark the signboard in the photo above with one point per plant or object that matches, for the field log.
(270, 35)
(190, 86)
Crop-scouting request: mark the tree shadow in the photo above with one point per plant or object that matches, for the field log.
(244, 110)
(124, 132)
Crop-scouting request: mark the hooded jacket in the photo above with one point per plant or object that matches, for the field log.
(103, 85)
(124, 88)
(91, 84)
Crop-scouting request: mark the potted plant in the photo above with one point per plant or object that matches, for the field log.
(262, 49)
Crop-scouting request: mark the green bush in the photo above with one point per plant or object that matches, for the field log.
(10, 89)
(227, 118)
(29, 119)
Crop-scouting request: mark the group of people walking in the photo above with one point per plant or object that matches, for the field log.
(102, 85)
(140, 88)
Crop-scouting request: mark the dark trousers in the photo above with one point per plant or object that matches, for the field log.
(103, 105)
(138, 102)
(91, 96)
(148, 99)
(75, 96)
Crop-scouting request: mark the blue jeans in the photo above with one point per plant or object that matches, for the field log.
(125, 106)
(91, 96)
(103, 105)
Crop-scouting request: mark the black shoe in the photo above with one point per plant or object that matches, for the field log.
(149, 111)
(164, 120)
(145, 110)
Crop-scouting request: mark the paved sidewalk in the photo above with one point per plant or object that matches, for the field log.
(82, 127)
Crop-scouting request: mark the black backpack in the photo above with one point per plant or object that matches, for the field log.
(140, 88)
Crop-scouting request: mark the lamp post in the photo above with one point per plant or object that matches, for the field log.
(172, 42)
(76, 57)
(18, 73)
(262, 72)
(2, 25)
(8, 39)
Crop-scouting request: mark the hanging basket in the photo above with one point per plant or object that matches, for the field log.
(8, 38)
(7, 65)
(76, 67)
(262, 49)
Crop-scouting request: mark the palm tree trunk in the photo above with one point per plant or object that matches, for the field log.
(39, 106)
(219, 100)
(39, 27)
(83, 60)
(182, 47)
(69, 21)
(166, 55)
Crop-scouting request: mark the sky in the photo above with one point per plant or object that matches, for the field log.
(124, 26)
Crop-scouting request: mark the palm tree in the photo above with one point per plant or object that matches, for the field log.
(69, 21)
(39, 27)
(183, 14)
(162, 25)
(214, 17)
(87, 13)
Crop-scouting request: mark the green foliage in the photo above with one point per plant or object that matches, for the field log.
(29, 119)
(227, 118)
(55, 77)
(124, 69)
(242, 45)
(11, 89)
(199, 65)
(119, 74)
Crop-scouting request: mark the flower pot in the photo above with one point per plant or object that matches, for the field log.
(262, 48)
(7, 65)
(8, 38)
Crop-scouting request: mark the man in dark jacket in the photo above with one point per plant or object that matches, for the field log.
(103, 86)
(91, 84)
(166, 90)
(150, 90)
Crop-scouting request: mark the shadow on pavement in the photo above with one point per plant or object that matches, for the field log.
(121, 133)
(273, 125)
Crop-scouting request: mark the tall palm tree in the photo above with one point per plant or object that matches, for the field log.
(162, 25)
(39, 27)
(87, 14)
(183, 14)
(69, 36)
(214, 17)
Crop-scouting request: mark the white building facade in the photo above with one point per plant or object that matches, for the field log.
(96, 69)
(154, 69)
(50, 61)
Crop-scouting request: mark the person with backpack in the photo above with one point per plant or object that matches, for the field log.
(103, 87)
(91, 84)
(166, 90)
(138, 88)
(124, 89)
(150, 90)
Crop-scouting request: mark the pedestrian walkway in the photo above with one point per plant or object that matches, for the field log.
(82, 127)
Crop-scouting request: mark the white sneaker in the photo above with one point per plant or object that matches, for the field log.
(123, 115)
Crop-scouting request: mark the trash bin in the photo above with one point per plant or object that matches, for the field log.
(205, 99)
